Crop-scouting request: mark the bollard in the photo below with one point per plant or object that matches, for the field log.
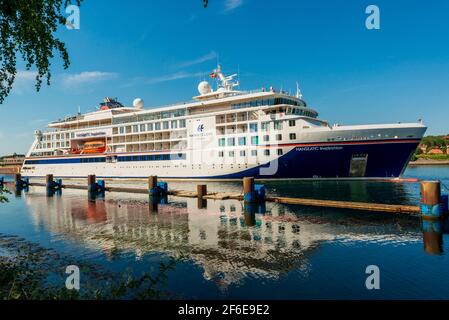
(444, 206)
(163, 188)
(430, 199)
(18, 180)
(202, 203)
(248, 190)
(260, 192)
(152, 186)
(26, 184)
(153, 204)
(21, 183)
(249, 214)
(432, 237)
(201, 190)
(163, 199)
(101, 186)
(49, 182)
(92, 183)
(59, 183)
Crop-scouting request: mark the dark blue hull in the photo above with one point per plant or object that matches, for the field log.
(330, 160)
(383, 160)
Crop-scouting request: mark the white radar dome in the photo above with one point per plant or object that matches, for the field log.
(204, 88)
(138, 103)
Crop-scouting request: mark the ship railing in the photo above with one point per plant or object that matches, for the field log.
(232, 94)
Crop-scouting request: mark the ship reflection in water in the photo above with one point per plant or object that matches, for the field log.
(228, 240)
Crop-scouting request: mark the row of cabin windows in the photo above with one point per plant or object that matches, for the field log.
(166, 125)
(253, 153)
(154, 157)
(241, 141)
(58, 136)
(302, 112)
(151, 116)
(48, 145)
(268, 102)
(265, 126)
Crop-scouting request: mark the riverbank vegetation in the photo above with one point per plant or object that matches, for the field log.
(31, 272)
(3, 191)
(432, 148)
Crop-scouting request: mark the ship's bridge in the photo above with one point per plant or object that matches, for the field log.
(100, 117)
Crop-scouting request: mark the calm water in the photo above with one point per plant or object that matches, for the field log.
(280, 252)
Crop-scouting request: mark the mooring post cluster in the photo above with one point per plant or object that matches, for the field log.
(157, 189)
(254, 197)
(158, 192)
(434, 212)
(201, 191)
(21, 183)
(51, 184)
(253, 193)
(434, 205)
(94, 186)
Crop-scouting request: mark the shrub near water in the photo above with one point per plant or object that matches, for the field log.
(30, 272)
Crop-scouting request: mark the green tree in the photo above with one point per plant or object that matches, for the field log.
(27, 31)
(434, 142)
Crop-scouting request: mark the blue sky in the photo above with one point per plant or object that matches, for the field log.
(160, 50)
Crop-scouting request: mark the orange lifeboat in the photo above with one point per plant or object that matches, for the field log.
(94, 147)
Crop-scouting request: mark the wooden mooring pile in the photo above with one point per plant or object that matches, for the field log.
(433, 206)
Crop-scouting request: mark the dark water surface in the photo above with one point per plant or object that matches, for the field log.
(280, 252)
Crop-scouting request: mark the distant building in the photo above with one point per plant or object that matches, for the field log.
(12, 160)
(436, 151)
(423, 148)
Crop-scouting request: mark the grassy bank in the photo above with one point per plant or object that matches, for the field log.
(433, 157)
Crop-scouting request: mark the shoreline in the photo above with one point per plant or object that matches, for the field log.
(10, 170)
(429, 163)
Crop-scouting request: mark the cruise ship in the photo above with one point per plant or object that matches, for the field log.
(224, 133)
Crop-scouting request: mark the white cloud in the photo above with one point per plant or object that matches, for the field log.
(210, 56)
(172, 77)
(78, 79)
(26, 75)
(232, 4)
(24, 81)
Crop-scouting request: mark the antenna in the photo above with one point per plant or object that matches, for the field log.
(79, 109)
(298, 91)
(238, 74)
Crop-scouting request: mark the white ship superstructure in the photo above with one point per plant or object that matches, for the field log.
(222, 134)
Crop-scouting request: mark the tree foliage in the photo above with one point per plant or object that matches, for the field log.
(435, 142)
(27, 31)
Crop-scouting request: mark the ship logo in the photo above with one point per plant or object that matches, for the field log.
(200, 128)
